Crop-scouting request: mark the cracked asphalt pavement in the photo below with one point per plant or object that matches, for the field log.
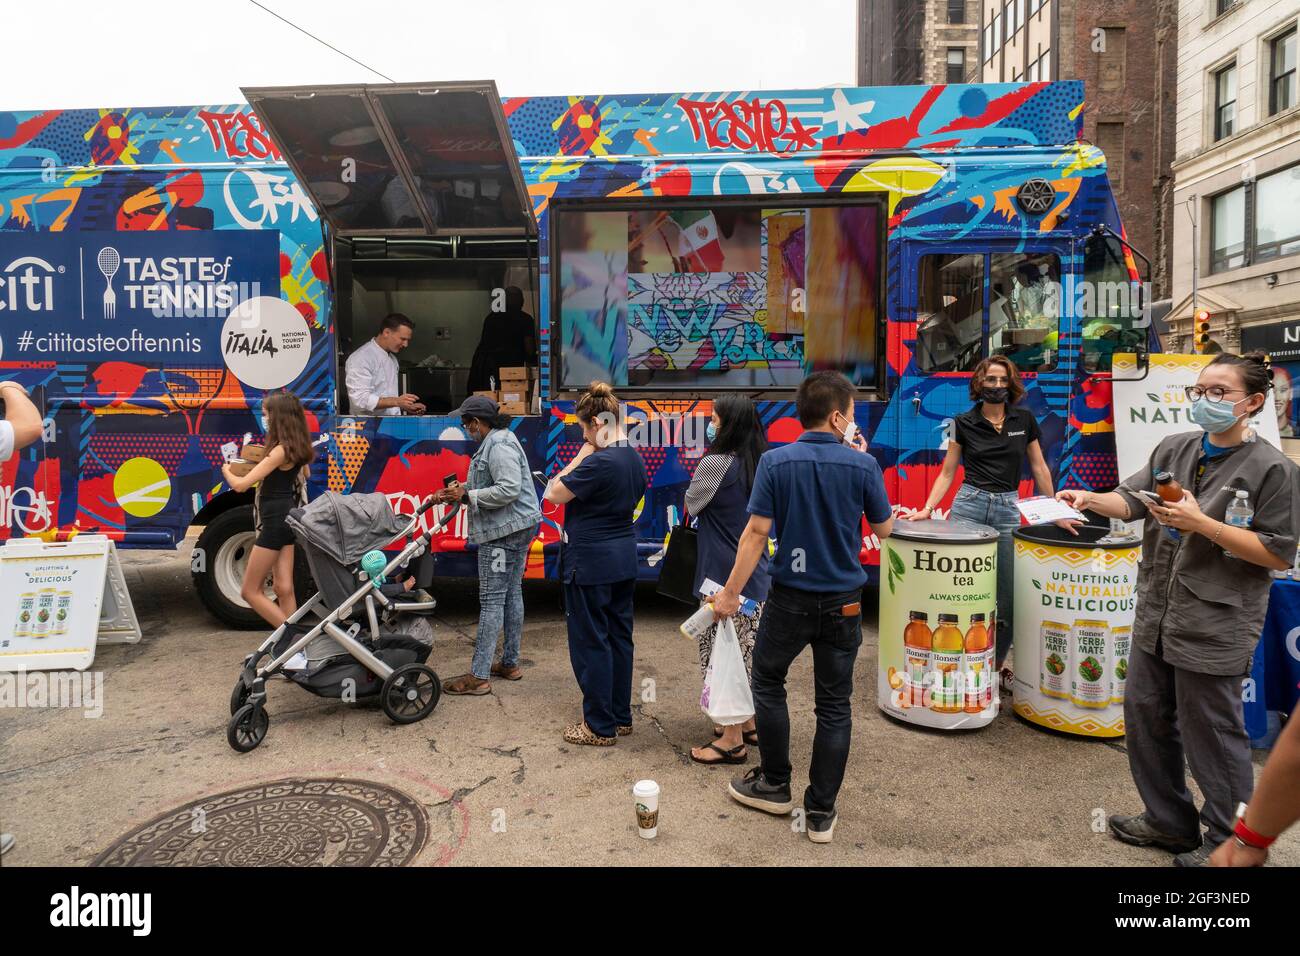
(499, 784)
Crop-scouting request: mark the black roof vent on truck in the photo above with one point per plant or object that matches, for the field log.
(1036, 196)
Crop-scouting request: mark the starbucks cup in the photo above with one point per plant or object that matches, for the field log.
(646, 797)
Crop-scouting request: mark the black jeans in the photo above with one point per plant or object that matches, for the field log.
(792, 620)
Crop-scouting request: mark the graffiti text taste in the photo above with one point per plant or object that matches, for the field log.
(239, 135)
(748, 125)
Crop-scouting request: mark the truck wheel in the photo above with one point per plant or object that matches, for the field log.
(226, 543)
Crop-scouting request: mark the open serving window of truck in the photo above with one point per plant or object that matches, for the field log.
(163, 269)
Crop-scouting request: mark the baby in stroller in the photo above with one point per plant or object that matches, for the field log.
(375, 655)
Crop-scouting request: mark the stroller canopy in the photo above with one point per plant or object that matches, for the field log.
(345, 527)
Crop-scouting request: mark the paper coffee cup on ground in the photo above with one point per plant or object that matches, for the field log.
(646, 797)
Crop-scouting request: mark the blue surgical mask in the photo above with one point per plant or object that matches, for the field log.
(711, 433)
(1214, 417)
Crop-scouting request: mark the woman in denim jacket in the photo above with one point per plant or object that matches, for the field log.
(503, 520)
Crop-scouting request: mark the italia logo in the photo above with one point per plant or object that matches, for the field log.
(27, 285)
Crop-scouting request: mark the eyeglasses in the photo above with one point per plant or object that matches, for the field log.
(1214, 393)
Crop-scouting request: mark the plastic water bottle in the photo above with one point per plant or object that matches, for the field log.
(1239, 514)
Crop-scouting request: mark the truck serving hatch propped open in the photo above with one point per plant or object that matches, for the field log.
(406, 159)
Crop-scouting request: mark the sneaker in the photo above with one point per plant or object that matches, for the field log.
(753, 790)
(1136, 831)
(1198, 857)
(821, 826)
(6, 843)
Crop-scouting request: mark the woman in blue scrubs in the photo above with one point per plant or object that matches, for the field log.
(600, 490)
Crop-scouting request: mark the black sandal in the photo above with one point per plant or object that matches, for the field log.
(750, 736)
(725, 756)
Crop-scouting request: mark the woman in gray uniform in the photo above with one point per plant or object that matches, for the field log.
(1202, 594)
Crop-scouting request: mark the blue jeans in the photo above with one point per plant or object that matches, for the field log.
(999, 512)
(501, 599)
(792, 620)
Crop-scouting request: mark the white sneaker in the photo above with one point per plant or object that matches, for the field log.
(6, 843)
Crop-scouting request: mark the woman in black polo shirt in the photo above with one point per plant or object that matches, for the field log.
(992, 441)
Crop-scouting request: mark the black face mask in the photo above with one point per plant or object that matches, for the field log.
(994, 396)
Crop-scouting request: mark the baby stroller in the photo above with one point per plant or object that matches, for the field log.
(337, 656)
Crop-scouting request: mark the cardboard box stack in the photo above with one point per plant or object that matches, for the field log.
(518, 386)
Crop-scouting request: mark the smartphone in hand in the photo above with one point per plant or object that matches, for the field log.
(450, 481)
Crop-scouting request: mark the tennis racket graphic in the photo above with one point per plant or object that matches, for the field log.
(109, 262)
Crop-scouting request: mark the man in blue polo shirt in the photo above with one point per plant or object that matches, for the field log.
(816, 491)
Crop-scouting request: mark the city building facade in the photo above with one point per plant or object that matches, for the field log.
(1237, 183)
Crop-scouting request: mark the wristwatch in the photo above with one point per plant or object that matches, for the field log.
(1247, 837)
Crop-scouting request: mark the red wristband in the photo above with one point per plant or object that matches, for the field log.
(1249, 837)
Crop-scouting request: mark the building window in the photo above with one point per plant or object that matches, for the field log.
(1032, 75)
(1045, 66)
(956, 64)
(1112, 61)
(1277, 215)
(1223, 6)
(1013, 22)
(988, 43)
(997, 31)
(1110, 140)
(1225, 101)
(956, 11)
(1228, 230)
(1281, 72)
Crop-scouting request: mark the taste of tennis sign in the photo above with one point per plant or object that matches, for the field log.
(1149, 407)
(58, 599)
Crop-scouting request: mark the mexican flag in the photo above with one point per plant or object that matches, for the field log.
(698, 246)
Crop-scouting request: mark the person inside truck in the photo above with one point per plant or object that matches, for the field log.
(371, 378)
(508, 340)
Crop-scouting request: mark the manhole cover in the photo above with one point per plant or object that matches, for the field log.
(285, 823)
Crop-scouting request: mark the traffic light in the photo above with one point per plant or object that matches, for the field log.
(1201, 330)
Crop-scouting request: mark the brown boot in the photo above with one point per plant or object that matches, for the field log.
(507, 673)
(467, 684)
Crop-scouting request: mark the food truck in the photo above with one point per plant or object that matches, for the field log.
(163, 269)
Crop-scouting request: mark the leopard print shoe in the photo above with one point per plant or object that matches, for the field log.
(582, 734)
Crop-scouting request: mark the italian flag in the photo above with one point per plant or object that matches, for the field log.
(698, 246)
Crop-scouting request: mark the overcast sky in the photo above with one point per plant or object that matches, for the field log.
(86, 53)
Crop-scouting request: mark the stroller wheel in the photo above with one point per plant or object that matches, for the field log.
(410, 693)
(238, 696)
(247, 728)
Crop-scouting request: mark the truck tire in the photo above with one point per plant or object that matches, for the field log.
(226, 542)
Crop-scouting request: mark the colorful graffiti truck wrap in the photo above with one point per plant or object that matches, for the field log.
(163, 269)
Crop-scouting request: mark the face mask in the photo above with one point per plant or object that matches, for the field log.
(711, 433)
(266, 424)
(1214, 417)
(994, 396)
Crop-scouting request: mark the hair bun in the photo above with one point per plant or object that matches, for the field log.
(601, 389)
(1259, 358)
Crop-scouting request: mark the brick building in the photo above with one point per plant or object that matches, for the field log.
(903, 42)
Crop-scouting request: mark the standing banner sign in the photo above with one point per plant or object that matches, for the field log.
(58, 599)
(1151, 407)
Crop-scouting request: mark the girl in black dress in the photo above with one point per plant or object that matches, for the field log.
(281, 479)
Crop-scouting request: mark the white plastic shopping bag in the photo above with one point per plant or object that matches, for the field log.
(726, 697)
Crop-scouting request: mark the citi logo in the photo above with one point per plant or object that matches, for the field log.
(74, 909)
(27, 284)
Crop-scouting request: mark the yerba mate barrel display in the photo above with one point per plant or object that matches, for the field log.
(938, 602)
(1074, 606)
